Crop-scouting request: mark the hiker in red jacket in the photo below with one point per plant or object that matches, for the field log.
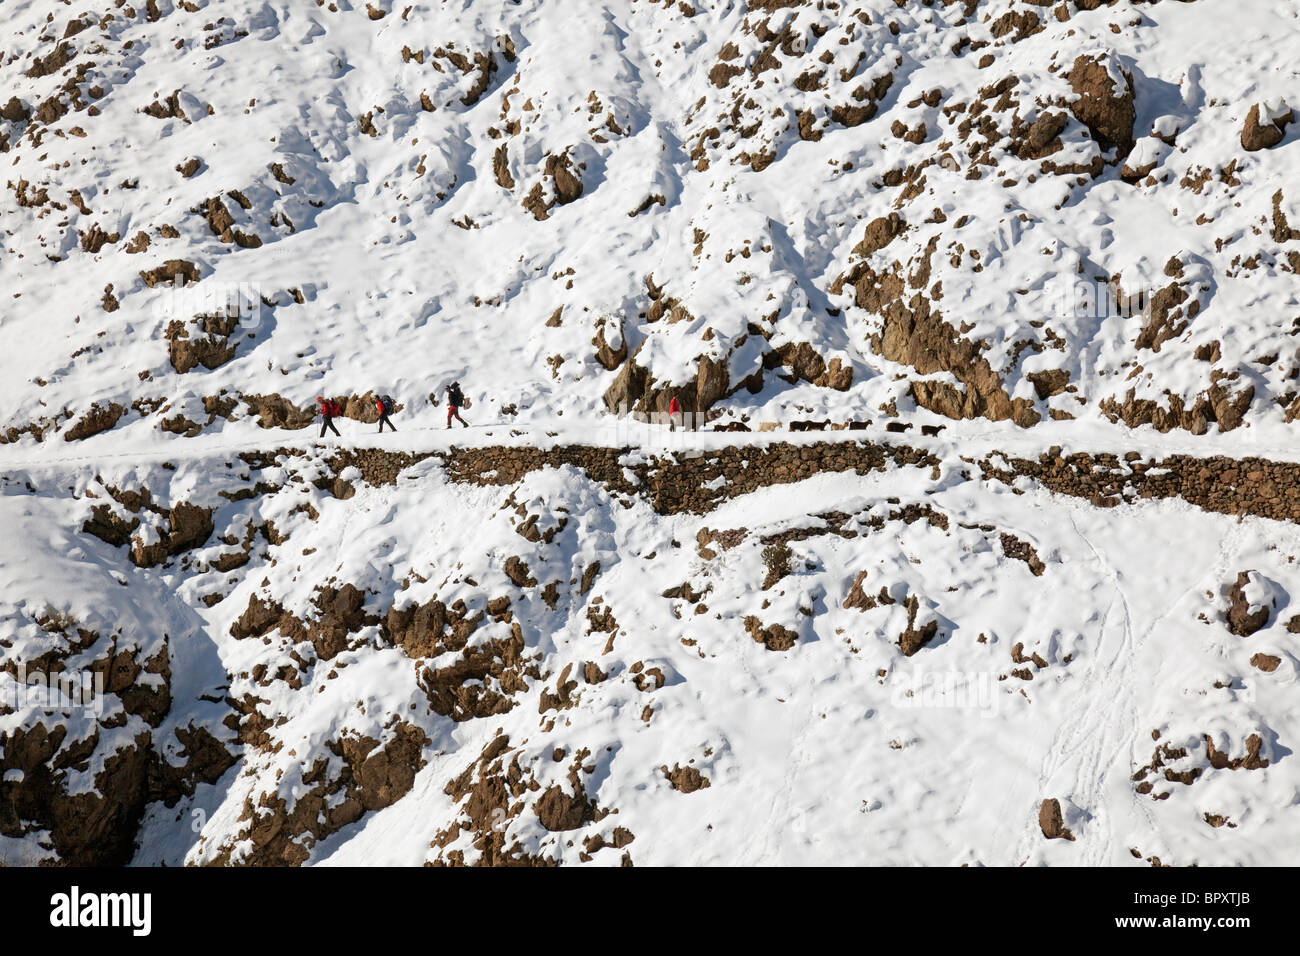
(674, 410)
(384, 405)
(328, 410)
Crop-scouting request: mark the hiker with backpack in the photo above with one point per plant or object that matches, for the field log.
(384, 405)
(455, 399)
(329, 410)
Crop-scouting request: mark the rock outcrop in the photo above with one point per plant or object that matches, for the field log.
(1265, 125)
(1105, 100)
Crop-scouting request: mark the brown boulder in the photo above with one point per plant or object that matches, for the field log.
(170, 271)
(685, 779)
(880, 233)
(187, 526)
(559, 811)
(14, 111)
(501, 167)
(1051, 822)
(1107, 112)
(100, 418)
(1043, 136)
(1262, 133)
(276, 411)
(608, 356)
(1265, 662)
(913, 638)
(1241, 621)
(774, 637)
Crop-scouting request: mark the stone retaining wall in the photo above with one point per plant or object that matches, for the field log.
(672, 483)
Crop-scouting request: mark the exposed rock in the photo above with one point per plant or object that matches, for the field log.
(880, 232)
(260, 617)
(857, 596)
(685, 779)
(1051, 822)
(170, 271)
(517, 571)
(94, 239)
(373, 777)
(429, 629)
(914, 335)
(491, 794)
(167, 108)
(1105, 103)
(1216, 404)
(53, 61)
(805, 363)
(1250, 761)
(1043, 137)
(99, 418)
(672, 485)
(913, 638)
(15, 111)
(501, 167)
(276, 411)
(108, 526)
(89, 827)
(568, 185)
(1265, 129)
(1252, 600)
(1267, 663)
(611, 357)
(483, 681)
(559, 811)
(187, 526)
(211, 351)
(1233, 486)
(635, 390)
(774, 637)
(87, 783)
(864, 102)
(1145, 156)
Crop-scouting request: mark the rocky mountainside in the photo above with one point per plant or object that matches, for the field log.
(1027, 267)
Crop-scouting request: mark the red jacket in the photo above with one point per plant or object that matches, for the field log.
(673, 407)
(330, 408)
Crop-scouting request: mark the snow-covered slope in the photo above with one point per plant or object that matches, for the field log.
(531, 652)
(721, 163)
(1037, 225)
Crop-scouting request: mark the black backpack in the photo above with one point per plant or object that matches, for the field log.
(386, 402)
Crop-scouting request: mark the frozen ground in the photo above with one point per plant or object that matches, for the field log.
(567, 205)
(1057, 685)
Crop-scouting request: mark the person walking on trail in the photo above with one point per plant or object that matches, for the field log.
(455, 399)
(384, 405)
(674, 411)
(329, 409)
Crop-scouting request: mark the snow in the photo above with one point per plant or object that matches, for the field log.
(398, 262)
(814, 727)
(1273, 109)
(1259, 592)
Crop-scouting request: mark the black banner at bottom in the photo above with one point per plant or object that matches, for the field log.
(145, 906)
